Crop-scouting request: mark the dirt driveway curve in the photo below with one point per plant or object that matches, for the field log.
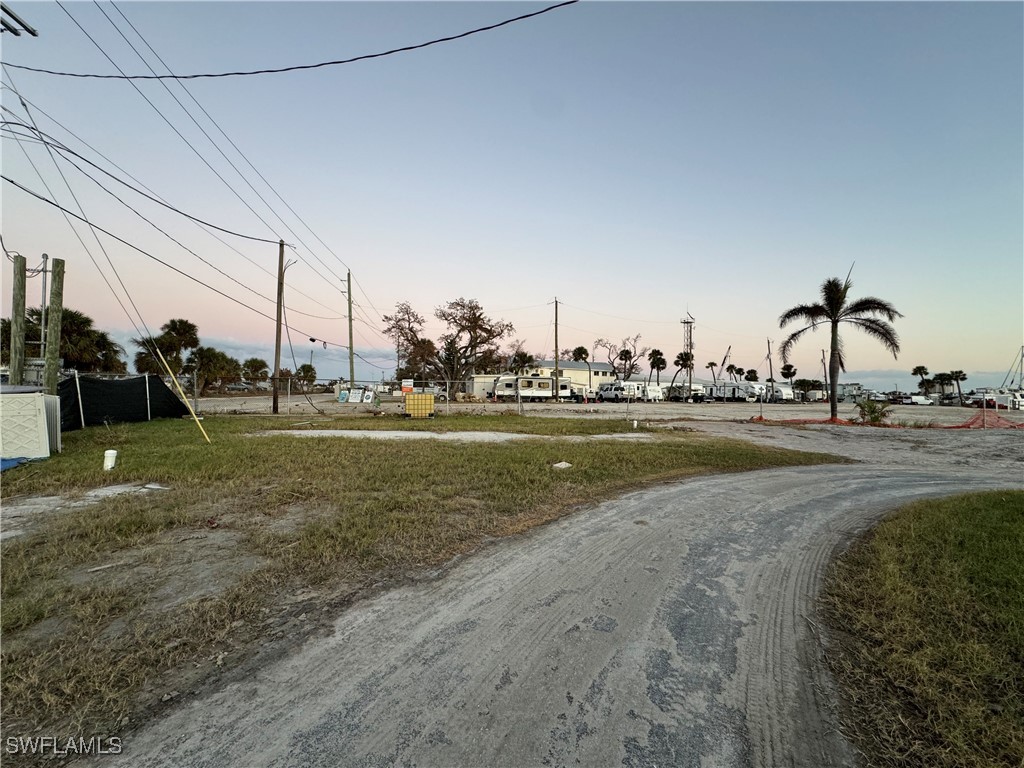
(672, 626)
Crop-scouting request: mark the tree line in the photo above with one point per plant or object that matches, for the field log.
(472, 341)
(86, 349)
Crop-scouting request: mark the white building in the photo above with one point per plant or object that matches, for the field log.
(598, 374)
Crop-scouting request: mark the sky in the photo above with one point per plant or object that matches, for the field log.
(637, 161)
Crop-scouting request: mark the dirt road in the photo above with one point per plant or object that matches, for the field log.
(672, 626)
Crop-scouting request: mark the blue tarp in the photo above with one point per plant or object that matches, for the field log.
(6, 464)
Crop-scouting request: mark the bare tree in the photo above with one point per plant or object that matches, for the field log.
(625, 357)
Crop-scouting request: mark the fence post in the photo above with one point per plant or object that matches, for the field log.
(78, 390)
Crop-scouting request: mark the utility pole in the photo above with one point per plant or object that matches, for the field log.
(771, 374)
(17, 374)
(556, 350)
(42, 313)
(351, 349)
(52, 369)
(277, 336)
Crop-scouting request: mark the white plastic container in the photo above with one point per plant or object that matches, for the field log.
(109, 459)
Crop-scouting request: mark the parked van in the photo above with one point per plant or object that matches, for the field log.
(920, 400)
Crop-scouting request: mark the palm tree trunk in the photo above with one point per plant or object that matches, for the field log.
(833, 374)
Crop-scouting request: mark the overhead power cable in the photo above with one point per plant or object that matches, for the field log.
(186, 248)
(241, 154)
(298, 67)
(164, 118)
(150, 256)
(223, 242)
(68, 213)
(202, 130)
(53, 143)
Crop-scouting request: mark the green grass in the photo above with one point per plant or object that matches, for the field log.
(82, 649)
(930, 612)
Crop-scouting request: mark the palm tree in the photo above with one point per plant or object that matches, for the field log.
(626, 358)
(712, 365)
(942, 380)
(658, 363)
(255, 369)
(920, 370)
(582, 355)
(210, 364)
(82, 346)
(739, 372)
(683, 362)
(833, 310)
(751, 375)
(788, 372)
(521, 361)
(180, 334)
(958, 376)
(731, 370)
(306, 374)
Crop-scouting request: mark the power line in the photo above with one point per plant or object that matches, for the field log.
(207, 135)
(185, 247)
(50, 141)
(232, 143)
(79, 238)
(338, 62)
(56, 122)
(164, 118)
(149, 255)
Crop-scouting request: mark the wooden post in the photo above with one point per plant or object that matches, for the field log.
(52, 369)
(17, 375)
(280, 303)
(351, 348)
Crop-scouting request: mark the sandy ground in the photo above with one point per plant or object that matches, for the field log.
(672, 626)
(326, 405)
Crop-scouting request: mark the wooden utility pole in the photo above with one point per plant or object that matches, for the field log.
(351, 349)
(42, 311)
(556, 349)
(771, 374)
(280, 304)
(51, 372)
(17, 374)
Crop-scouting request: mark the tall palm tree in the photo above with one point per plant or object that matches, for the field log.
(626, 358)
(942, 380)
(731, 370)
(683, 362)
(833, 310)
(920, 370)
(739, 372)
(177, 336)
(656, 360)
(582, 355)
(958, 376)
(712, 365)
(788, 372)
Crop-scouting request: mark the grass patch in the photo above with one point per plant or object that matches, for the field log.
(106, 607)
(929, 609)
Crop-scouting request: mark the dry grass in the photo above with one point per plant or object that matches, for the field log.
(108, 608)
(930, 612)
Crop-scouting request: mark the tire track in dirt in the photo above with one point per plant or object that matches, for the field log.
(687, 639)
